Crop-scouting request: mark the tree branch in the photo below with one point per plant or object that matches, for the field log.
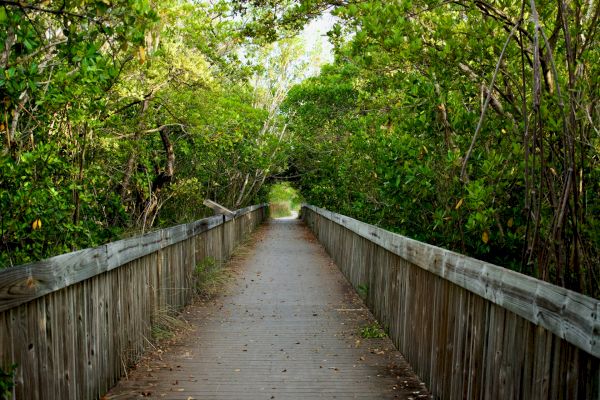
(463, 172)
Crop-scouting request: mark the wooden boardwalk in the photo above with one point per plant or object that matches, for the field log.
(287, 328)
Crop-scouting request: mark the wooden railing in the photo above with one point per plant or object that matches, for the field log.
(73, 323)
(470, 329)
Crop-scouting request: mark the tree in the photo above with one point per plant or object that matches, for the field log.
(56, 63)
(481, 122)
(130, 121)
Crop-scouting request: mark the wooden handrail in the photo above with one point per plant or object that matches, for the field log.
(568, 314)
(23, 283)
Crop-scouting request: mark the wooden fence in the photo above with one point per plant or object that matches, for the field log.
(73, 323)
(470, 329)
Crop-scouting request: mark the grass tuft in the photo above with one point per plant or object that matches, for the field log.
(165, 322)
(372, 331)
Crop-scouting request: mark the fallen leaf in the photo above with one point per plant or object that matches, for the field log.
(142, 54)
(485, 237)
(457, 206)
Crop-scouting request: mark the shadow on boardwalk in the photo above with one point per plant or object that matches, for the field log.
(287, 327)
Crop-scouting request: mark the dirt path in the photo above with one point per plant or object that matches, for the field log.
(287, 328)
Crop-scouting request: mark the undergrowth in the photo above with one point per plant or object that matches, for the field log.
(280, 210)
(165, 323)
(209, 277)
(7, 381)
(372, 331)
(363, 291)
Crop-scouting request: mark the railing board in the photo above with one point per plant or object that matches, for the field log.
(21, 284)
(24, 283)
(73, 322)
(461, 337)
(569, 315)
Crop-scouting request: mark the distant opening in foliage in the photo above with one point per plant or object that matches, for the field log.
(284, 200)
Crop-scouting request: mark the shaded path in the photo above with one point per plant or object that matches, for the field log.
(287, 329)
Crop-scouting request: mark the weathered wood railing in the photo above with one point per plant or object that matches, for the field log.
(470, 329)
(73, 323)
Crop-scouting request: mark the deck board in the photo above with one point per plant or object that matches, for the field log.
(286, 328)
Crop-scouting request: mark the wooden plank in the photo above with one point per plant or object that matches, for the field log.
(69, 345)
(449, 338)
(468, 341)
(477, 348)
(6, 349)
(439, 333)
(518, 348)
(44, 348)
(509, 358)
(21, 284)
(55, 338)
(175, 234)
(93, 324)
(460, 336)
(498, 355)
(570, 315)
(30, 350)
(71, 322)
(123, 251)
(24, 283)
(82, 329)
(557, 377)
(539, 362)
(204, 225)
(217, 208)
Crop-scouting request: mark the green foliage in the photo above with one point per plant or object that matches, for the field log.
(38, 186)
(283, 199)
(279, 210)
(387, 133)
(209, 277)
(372, 331)
(115, 121)
(7, 382)
(57, 62)
(363, 291)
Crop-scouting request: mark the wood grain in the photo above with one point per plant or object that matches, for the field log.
(569, 315)
(470, 329)
(74, 322)
(26, 282)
